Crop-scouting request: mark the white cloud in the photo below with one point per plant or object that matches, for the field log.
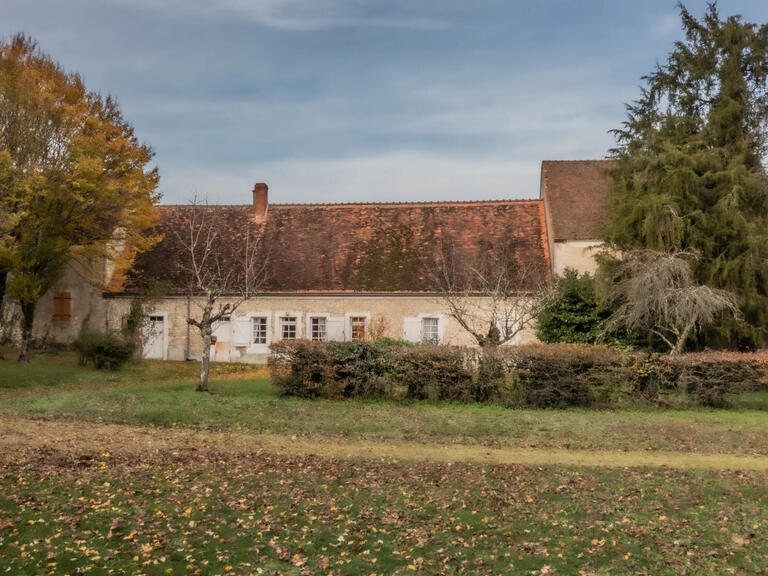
(294, 15)
(668, 25)
(401, 176)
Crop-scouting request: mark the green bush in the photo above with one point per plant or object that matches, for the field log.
(108, 349)
(328, 369)
(564, 375)
(572, 315)
(538, 376)
(431, 372)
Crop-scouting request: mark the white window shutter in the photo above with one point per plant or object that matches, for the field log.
(241, 331)
(335, 328)
(412, 329)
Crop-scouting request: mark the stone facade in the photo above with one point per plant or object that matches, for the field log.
(385, 316)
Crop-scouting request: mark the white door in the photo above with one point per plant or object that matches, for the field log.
(154, 337)
(221, 351)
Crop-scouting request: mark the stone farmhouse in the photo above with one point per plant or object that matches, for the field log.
(342, 271)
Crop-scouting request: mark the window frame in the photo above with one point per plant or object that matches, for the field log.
(366, 318)
(265, 318)
(282, 325)
(311, 318)
(434, 339)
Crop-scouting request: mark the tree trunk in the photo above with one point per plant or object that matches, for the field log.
(680, 344)
(27, 319)
(205, 361)
(3, 279)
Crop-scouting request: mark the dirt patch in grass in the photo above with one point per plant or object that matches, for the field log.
(74, 437)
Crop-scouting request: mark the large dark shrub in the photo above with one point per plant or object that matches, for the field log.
(302, 368)
(436, 372)
(563, 375)
(328, 369)
(108, 349)
(572, 314)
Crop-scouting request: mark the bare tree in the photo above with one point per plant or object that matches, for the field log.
(223, 270)
(656, 292)
(493, 298)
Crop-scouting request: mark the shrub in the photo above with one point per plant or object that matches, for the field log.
(714, 379)
(301, 368)
(108, 349)
(436, 372)
(563, 375)
(540, 375)
(328, 369)
(572, 314)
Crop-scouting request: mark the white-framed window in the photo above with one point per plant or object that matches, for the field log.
(430, 330)
(288, 327)
(358, 328)
(318, 328)
(259, 329)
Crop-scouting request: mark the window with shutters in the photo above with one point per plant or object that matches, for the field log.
(319, 328)
(62, 307)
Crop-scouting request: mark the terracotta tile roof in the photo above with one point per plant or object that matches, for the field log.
(574, 192)
(368, 248)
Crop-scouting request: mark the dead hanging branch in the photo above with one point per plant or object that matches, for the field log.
(656, 292)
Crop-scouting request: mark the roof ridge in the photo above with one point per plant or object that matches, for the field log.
(340, 204)
(584, 161)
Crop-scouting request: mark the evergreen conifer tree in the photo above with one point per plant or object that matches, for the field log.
(689, 172)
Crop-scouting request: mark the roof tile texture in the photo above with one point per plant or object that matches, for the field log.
(575, 192)
(360, 247)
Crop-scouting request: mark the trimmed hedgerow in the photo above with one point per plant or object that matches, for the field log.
(563, 375)
(434, 372)
(540, 375)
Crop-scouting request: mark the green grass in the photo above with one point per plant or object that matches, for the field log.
(176, 514)
(81, 497)
(163, 394)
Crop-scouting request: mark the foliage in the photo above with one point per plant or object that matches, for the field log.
(536, 376)
(108, 350)
(571, 314)
(559, 376)
(310, 369)
(432, 372)
(656, 292)
(688, 174)
(71, 170)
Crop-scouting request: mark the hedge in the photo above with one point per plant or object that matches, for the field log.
(540, 375)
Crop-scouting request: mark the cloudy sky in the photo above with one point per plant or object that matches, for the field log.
(361, 100)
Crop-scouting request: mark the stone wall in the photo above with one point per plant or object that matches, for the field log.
(386, 317)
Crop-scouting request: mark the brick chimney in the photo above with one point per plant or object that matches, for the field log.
(260, 202)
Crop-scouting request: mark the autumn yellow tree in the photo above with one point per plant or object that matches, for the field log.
(72, 174)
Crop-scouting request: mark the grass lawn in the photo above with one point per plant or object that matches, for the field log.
(135, 473)
(157, 393)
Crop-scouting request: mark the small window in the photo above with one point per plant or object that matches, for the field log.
(319, 328)
(429, 330)
(357, 324)
(259, 330)
(62, 307)
(288, 327)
